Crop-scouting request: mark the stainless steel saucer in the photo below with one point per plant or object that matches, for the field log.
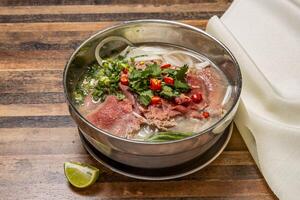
(161, 173)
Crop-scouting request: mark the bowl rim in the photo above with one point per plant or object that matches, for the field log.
(73, 107)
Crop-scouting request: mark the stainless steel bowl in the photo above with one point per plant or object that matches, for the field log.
(144, 154)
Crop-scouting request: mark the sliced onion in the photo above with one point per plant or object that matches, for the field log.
(106, 40)
(139, 51)
(95, 101)
(144, 50)
(125, 51)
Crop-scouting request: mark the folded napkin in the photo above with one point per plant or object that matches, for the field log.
(264, 37)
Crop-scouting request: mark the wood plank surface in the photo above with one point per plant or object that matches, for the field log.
(37, 135)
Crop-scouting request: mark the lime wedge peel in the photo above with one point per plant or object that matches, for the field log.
(80, 175)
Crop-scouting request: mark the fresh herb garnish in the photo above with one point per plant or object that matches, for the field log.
(100, 81)
(168, 136)
(145, 97)
(153, 70)
(120, 95)
(170, 72)
(104, 80)
(181, 73)
(181, 86)
(139, 79)
(168, 93)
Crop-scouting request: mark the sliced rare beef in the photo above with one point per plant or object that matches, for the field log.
(107, 115)
(115, 117)
(127, 93)
(130, 97)
(215, 90)
(197, 84)
(162, 115)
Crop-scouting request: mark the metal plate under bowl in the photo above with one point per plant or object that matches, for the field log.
(161, 173)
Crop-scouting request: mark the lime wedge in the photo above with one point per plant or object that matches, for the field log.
(81, 175)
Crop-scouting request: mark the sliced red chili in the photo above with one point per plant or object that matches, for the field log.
(155, 100)
(169, 80)
(124, 79)
(125, 70)
(165, 66)
(155, 84)
(197, 97)
(205, 114)
(124, 75)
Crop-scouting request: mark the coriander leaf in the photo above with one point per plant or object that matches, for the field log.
(139, 85)
(132, 59)
(120, 57)
(167, 92)
(181, 86)
(135, 74)
(120, 95)
(144, 100)
(98, 95)
(145, 97)
(152, 70)
(146, 73)
(169, 71)
(155, 70)
(180, 75)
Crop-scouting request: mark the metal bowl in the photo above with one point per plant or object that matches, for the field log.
(145, 154)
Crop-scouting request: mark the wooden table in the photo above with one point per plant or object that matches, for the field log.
(37, 134)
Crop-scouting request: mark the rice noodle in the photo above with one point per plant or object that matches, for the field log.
(145, 53)
(106, 40)
(202, 65)
(147, 58)
(144, 50)
(177, 61)
(125, 51)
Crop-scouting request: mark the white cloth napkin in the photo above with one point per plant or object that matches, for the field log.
(264, 36)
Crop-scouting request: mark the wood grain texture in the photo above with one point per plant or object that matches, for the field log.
(94, 17)
(31, 98)
(73, 26)
(100, 2)
(37, 135)
(31, 81)
(134, 8)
